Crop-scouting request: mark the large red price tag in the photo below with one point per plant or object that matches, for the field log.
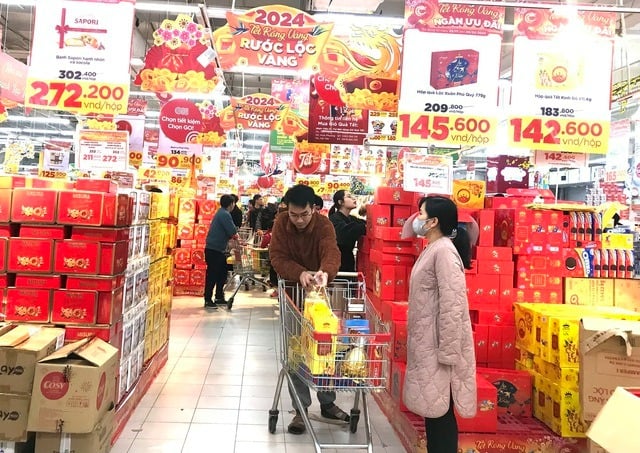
(450, 129)
(560, 134)
(77, 96)
(178, 161)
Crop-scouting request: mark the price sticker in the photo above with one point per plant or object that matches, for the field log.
(450, 129)
(155, 174)
(177, 181)
(54, 174)
(178, 161)
(135, 159)
(560, 159)
(311, 181)
(560, 134)
(77, 96)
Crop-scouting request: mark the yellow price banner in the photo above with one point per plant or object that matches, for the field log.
(77, 96)
(156, 174)
(135, 159)
(178, 161)
(54, 174)
(560, 134)
(449, 129)
(312, 181)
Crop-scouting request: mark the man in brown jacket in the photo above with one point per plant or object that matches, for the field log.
(304, 249)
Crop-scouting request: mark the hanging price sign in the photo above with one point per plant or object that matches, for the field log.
(103, 150)
(428, 173)
(80, 97)
(560, 160)
(552, 134)
(154, 174)
(135, 159)
(178, 161)
(452, 129)
(312, 181)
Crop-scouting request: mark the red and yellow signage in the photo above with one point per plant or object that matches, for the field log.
(255, 111)
(454, 129)
(273, 36)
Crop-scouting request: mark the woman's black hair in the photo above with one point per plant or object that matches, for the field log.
(337, 197)
(446, 212)
(318, 202)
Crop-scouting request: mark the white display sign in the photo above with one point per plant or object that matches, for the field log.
(103, 150)
(560, 160)
(428, 173)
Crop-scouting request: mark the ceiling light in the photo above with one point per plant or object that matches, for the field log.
(366, 19)
(40, 119)
(45, 131)
(152, 94)
(254, 142)
(165, 7)
(152, 113)
(18, 2)
(347, 6)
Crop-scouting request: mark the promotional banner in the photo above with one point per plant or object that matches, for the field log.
(180, 126)
(181, 60)
(324, 185)
(274, 37)
(354, 160)
(311, 158)
(54, 159)
(295, 93)
(255, 111)
(383, 126)
(133, 123)
(103, 150)
(80, 56)
(454, 101)
(150, 146)
(560, 159)
(12, 79)
(428, 173)
(561, 81)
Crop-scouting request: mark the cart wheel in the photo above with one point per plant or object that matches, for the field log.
(273, 421)
(354, 418)
(246, 287)
(230, 303)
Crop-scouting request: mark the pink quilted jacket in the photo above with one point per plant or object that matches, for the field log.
(440, 349)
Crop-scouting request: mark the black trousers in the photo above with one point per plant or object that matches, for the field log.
(442, 432)
(216, 274)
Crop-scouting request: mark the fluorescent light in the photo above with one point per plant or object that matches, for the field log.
(364, 19)
(152, 94)
(40, 119)
(254, 142)
(165, 7)
(18, 2)
(152, 113)
(251, 131)
(221, 13)
(45, 131)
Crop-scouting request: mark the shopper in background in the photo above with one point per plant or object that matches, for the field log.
(221, 230)
(441, 372)
(258, 206)
(236, 212)
(348, 228)
(318, 204)
(303, 249)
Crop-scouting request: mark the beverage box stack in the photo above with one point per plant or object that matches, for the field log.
(194, 219)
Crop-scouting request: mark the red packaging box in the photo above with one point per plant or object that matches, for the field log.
(181, 277)
(486, 222)
(399, 341)
(537, 296)
(402, 283)
(113, 257)
(110, 305)
(443, 61)
(97, 185)
(486, 419)
(197, 277)
(382, 258)
(43, 232)
(504, 229)
(398, 371)
(34, 206)
(514, 167)
(28, 305)
(197, 257)
(97, 283)
(187, 209)
(514, 390)
(400, 214)
(100, 234)
(378, 215)
(111, 334)
(5, 205)
(390, 234)
(4, 283)
(93, 209)
(393, 247)
(384, 280)
(494, 254)
(3, 256)
(481, 341)
(538, 280)
(494, 345)
(394, 311)
(186, 231)
(483, 289)
(182, 257)
(207, 208)
(29, 255)
(7, 230)
(38, 281)
(74, 307)
(509, 347)
(492, 317)
(201, 230)
(13, 181)
(495, 267)
(392, 196)
(77, 257)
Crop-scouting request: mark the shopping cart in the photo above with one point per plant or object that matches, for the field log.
(241, 256)
(353, 358)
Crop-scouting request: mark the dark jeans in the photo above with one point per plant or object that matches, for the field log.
(442, 432)
(216, 274)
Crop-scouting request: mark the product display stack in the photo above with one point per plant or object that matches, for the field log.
(194, 219)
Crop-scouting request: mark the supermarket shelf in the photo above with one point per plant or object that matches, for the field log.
(133, 397)
(514, 435)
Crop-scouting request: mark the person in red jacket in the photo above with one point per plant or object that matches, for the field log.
(304, 249)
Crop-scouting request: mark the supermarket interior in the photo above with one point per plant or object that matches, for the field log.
(125, 127)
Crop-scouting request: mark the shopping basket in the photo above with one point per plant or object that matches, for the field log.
(352, 356)
(240, 252)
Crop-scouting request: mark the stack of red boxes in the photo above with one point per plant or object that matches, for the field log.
(194, 219)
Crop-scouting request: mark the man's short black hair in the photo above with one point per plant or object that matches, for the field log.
(226, 201)
(301, 196)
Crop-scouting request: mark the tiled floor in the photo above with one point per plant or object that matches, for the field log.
(218, 385)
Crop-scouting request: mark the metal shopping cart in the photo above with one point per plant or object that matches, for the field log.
(352, 358)
(241, 256)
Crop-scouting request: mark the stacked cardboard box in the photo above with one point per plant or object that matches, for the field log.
(194, 219)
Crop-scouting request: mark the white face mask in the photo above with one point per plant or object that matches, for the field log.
(418, 226)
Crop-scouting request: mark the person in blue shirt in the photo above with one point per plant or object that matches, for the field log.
(221, 230)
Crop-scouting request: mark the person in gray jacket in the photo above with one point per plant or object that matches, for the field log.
(221, 230)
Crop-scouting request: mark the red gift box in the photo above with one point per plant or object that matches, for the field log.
(394, 311)
(494, 345)
(43, 232)
(197, 277)
(7, 230)
(100, 234)
(13, 181)
(486, 419)
(454, 68)
(198, 258)
(495, 267)
(509, 353)
(390, 234)
(76, 257)
(113, 257)
(382, 258)
(398, 371)
(97, 185)
(93, 209)
(494, 253)
(34, 206)
(486, 222)
(96, 283)
(110, 306)
(29, 255)
(74, 307)
(483, 289)
(111, 334)
(4, 282)
(392, 196)
(38, 281)
(378, 215)
(207, 208)
(400, 214)
(510, 171)
(492, 317)
(399, 341)
(201, 230)
(5, 205)
(186, 231)
(537, 296)
(182, 257)
(181, 277)
(514, 390)
(187, 209)
(481, 341)
(28, 305)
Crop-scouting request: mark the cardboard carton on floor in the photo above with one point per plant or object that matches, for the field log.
(73, 387)
(615, 429)
(13, 417)
(97, 441)
(20, 349)
(610, 358)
